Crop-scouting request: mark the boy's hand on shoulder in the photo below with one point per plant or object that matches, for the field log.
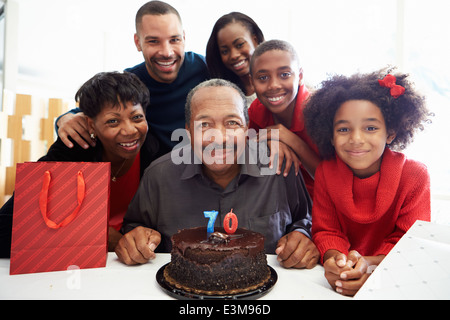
(281, 153)
(295, 250)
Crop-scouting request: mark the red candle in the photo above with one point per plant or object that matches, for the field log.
(234, 222)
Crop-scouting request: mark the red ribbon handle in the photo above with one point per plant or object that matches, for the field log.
(43, 198)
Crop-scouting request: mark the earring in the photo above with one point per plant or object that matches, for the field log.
(93, 136)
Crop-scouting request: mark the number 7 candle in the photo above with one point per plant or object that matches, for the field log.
(212, 215)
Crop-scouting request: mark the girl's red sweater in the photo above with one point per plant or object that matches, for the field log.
(368, 215)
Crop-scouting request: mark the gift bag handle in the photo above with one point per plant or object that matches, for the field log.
(43, 199)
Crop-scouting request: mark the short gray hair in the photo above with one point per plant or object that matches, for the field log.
(213, 83)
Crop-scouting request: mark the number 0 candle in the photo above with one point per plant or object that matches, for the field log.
(234, 222)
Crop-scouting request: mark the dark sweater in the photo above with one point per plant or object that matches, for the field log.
(167, 100)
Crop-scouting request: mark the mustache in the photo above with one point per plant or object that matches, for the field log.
(219, 146)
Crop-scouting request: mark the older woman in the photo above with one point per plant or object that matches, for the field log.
(113, 104)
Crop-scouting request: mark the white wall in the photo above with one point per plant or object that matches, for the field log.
(61, 43)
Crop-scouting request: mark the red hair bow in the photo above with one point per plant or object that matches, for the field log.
(389, 82)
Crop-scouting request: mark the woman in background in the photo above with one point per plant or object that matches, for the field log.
(230, 47)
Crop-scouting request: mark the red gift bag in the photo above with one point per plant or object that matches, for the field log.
(60, 216)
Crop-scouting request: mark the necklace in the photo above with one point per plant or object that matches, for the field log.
(118, 171)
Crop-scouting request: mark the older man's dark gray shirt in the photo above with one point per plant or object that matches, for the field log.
(173, 197)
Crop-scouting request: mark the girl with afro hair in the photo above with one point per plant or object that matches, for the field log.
(366, 194)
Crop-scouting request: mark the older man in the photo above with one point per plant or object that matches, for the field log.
(174, 196)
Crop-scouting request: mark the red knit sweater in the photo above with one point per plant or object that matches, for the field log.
(260, 118)
(368, 215)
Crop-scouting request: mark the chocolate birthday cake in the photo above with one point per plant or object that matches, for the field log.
(220, 264)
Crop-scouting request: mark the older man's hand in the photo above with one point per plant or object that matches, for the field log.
(138, 246)
(295, 250)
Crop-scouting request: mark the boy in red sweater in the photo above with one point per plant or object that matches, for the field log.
(277, 78)
(366, 196)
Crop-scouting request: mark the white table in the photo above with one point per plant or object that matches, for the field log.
(418, 267)
(118, 281)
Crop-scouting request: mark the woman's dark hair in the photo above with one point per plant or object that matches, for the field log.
(403, 115)
(113, 88)
(213, 58)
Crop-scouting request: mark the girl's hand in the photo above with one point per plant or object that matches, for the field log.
(334, 264)
(352, 280)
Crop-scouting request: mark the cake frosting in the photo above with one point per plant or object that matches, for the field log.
(217, 263)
